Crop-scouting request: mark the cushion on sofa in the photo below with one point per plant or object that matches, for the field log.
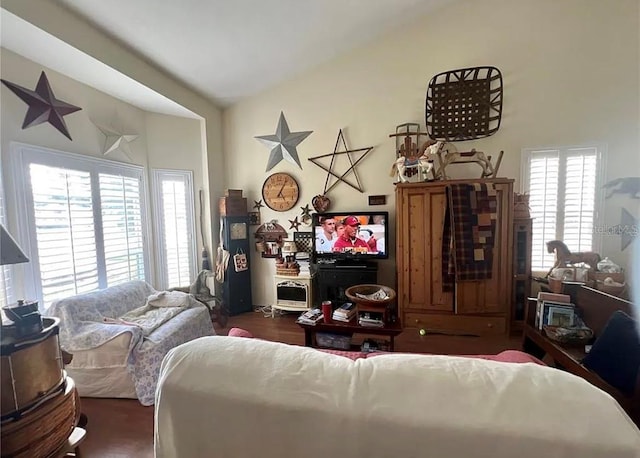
(615, 355)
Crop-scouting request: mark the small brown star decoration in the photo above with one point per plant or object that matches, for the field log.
(306, 212)
(295, 224)
(257, 204)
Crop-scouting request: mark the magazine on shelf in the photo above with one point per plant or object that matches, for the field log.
(560, 316)
(553, 312)
(550, 298)
(371, 319)
(371, 323)
(310, 317)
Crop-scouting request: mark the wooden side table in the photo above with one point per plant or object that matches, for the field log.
(390, 330)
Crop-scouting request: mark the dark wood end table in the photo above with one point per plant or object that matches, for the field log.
(390, 330)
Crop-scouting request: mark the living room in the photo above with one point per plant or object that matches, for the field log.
(571, 79)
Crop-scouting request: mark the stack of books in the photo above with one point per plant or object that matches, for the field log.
(310, 317)
(554, 309)
(371, 319)
(345, 312)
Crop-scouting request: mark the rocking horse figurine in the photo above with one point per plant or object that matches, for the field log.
(565, 257)
(473, 156)
(423, 163)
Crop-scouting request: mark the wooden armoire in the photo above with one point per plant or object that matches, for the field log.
(480, 307)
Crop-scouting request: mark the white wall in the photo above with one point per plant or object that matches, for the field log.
(56, 20)
(163, 142)
(570, 72)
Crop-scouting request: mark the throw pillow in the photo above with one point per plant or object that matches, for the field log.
(615, 355)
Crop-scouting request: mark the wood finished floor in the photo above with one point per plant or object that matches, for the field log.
(122, 428)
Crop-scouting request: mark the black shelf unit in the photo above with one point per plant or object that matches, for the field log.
(236, 289)
(333, 278)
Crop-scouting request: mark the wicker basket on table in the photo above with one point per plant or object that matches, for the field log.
(569, 336)
(364, 304)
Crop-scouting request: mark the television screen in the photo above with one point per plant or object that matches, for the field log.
(351, 235)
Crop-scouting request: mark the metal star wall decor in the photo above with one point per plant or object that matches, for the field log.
(257, 204)
(628, 229)
(283, 143)
(306, 211)
(343, 176)
(43, 105)
(295, 224)
(116, 140)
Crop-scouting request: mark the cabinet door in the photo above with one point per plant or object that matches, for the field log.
(493, 295)
(419, 229)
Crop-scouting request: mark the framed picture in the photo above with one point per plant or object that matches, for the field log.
(561, 316)
(254, 218)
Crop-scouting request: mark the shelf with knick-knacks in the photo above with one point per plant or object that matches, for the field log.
(269, 239)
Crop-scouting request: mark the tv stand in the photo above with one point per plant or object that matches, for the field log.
(332, 279)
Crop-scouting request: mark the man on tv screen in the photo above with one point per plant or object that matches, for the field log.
(349, 240)
(327, 236)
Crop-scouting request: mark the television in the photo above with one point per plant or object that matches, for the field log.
(350, 236)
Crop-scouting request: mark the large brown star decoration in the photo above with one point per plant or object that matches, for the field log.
(343, 176)
(43, 105)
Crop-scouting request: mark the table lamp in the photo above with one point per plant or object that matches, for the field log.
(25, 315)
(10, 252)
(289, 247)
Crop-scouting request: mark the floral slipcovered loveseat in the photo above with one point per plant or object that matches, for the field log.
(114, 357)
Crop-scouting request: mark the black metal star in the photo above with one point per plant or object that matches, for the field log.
(295, 224)
(306, 212)
(43, 105)
(339, 178)
(257, 204)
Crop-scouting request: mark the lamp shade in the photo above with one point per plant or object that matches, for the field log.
(10, 252)
(289, 247)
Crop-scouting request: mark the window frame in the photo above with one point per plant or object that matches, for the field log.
(598, 210)
(157, 175)
(21, 156)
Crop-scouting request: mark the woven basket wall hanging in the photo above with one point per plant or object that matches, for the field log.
(464, 104)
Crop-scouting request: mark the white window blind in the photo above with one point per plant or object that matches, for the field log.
(65, 232)
(83, 220)
(175, 220)
(562, 187)
(122, 228)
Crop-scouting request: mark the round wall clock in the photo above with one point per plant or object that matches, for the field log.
(280, 192)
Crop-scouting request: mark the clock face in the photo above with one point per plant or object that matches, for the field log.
(280, 192)
(238, 231)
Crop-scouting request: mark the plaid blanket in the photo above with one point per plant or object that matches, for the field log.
(468, 233)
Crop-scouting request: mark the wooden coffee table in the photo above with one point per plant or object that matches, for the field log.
(390, 330)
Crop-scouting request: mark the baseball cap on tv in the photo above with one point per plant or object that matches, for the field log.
(351, 221)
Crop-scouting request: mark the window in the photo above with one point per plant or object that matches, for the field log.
(175, 217)
(561, 184)
(6, 295)
(83, 221)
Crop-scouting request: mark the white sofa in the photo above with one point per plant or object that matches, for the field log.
(118, 360)
(236, 397)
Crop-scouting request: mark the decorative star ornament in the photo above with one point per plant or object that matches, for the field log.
(283, 143)
(43, 105)
(257, 204)
(306, 211)
(116, 140)
(342, 177)
(628, 229)
(295, 224)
